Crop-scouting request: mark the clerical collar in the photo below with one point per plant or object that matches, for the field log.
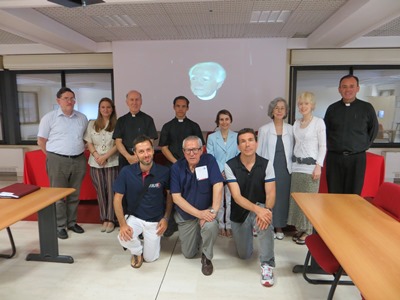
(134, 115)
(347, 104)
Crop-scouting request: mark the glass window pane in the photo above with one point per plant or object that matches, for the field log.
(382, 89)
(89, 88)
(43, 87)
(323, 83)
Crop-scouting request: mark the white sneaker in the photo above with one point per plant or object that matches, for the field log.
(280, 235)
(254, 232)
(267, 275)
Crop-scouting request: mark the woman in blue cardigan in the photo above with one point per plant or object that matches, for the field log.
(222, 144)
(275, 143)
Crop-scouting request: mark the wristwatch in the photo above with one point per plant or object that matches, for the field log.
(212, 211)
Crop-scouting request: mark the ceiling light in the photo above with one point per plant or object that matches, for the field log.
(255, 16)
(114, 21)
(267, 16)
(264, 16)
(283, 16)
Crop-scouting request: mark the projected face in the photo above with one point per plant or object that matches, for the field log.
(205, 79)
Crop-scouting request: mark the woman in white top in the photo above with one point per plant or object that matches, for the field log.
(308, 158)
(103, 160)
(222, 144)
(275, 143)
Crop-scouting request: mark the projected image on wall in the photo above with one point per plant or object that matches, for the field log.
(205, 79)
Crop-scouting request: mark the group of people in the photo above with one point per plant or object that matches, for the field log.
(232, 185)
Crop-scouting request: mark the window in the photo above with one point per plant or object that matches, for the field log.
(379, 85)
(37, 95)
(28, 108)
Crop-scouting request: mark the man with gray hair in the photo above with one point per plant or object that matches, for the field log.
(205, 79)
(196, 188)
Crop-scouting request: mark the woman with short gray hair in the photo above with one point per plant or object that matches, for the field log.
(275, 143)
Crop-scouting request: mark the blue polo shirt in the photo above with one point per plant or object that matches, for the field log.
(198, 192)
(151, 206)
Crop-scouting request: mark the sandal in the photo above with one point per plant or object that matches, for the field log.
(136, 261)
(302, 239)
(297, 235)
(222, 232)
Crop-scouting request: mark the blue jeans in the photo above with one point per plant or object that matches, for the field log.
(243, 237)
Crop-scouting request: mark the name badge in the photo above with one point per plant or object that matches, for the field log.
(201, 173)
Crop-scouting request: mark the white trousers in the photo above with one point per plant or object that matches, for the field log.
(150, 247)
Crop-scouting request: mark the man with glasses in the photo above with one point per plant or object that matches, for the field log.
(172, 136)
(196, 188)
(60, 137)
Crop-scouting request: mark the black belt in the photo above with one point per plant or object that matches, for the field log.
(67, 156)
(304, 161)
(347, 153)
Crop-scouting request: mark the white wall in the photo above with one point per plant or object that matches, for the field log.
(256, 74)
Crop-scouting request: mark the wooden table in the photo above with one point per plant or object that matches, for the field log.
(364, 239)
(43, 202)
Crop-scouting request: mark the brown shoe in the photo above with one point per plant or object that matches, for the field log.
(136, 261)
(110, 227)
(206, 265)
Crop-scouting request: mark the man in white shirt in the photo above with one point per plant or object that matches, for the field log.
(60, 137)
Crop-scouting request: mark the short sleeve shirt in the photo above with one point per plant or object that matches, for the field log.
(64, 133)
(151, 206)
(251, 183)
(195, 188)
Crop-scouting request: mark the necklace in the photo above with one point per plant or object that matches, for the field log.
(304, 122)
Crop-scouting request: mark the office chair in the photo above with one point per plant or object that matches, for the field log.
(14, 250)
(326, 260)
(388, 199)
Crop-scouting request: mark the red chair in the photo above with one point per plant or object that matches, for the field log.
(388, 199)
(326, 260)
(374, 176)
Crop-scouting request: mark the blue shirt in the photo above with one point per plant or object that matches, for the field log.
(197, 192)
(151, 206)
(64, 133)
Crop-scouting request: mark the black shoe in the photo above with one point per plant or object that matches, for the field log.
(76, 228)
(170, 231)
(62, 234)
(206, 265)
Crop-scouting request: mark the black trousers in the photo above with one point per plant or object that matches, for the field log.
(345, 173)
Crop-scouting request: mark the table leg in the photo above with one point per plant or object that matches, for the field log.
(48, 238)
(13, 249)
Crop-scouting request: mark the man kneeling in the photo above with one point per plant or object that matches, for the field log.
(143, 187)
(251, 180)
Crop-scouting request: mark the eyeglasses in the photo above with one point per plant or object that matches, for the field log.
(66, 99)
(194, 150)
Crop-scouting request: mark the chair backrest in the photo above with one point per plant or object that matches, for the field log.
(388, 199)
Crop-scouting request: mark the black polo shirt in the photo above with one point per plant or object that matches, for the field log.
(251, 183)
